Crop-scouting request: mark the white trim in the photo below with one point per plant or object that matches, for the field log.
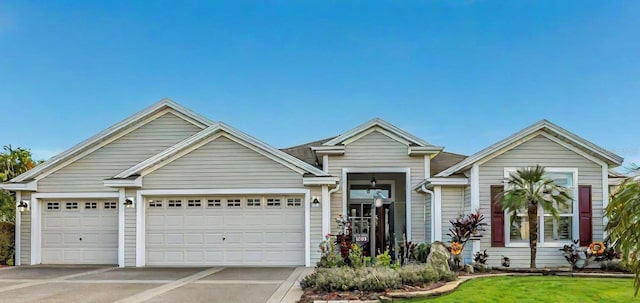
(121, 220)
(543, 126)
(137, 182)
(437, 213)
(575, 228)
(17, 231)
(448, 181)
(36, 233)
(114, 194)
(328, 150)
(430, 151)
(427, 166)
(325, 163)
(380, 123)
(140, 212)
(475, 188)
(307, 228)
(29, 186)
(134, 119)
(605, 198)
(320, 180)
(326, 211)
(408, 204)
(376, 129)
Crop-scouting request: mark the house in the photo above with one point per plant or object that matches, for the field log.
(168, 186)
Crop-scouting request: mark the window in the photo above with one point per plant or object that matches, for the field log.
(364, 191)
(71, 205)
(253, 202)
(234, 203)
(155, 203)
(174, 203)
(90, 205)
(214, 203)
(53, 205)
(294, 202)
(194, 203)
(274, 202)
(561, 230)
(110, 205)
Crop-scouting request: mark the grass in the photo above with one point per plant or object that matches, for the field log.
(539, 289)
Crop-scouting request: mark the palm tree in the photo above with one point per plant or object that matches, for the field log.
(623, 227)
(528, 190)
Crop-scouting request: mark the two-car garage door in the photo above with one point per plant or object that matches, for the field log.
(79, 232)
(247, 230)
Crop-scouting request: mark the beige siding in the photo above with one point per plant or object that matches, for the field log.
(543, 151)
(25, 233)
(87, 173)
(380, 151)
(222, 164)
(452, 208)
(316, 227)
(130, 233)
(428, 216)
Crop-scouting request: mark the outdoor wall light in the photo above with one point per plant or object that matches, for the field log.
(373, 183)
(23, 205)
(315, 202)
(129, 202)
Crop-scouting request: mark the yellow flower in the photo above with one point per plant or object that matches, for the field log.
(456, 248)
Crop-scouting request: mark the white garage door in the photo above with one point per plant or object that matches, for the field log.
(225, 231)
(80, 232)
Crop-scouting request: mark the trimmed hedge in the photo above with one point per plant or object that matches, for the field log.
(372, 279)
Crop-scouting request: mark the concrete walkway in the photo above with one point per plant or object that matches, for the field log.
(135, 285)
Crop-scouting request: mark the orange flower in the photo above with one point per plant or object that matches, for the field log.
(596, 248)
(456, 248)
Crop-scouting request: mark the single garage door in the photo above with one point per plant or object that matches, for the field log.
(265, 230)
(80, 232)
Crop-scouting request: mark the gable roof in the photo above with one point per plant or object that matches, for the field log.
(444, 160)
(543, 125)
(379, 123)
(219, 127)
(114, 129)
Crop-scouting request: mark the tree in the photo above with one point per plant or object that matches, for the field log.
(13, 162)
(529, 190)
(623, 228)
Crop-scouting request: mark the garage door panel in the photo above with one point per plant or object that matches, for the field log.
(251, 236)
(79, 236)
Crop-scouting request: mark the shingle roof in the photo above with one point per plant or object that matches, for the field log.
(445, 160)
(304, 152)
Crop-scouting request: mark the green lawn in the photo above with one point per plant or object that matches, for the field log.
(540, 289)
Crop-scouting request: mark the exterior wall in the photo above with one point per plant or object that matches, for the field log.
(380, 151)
(25, 233)
(452, 208)
(429, 216)
(88, 173)
(222, 164)
(538, 150)
(130, 232)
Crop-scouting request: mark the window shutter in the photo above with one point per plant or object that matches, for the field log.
(584, 206)
(497, 217)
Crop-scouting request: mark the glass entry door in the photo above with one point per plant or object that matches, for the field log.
(373, 227)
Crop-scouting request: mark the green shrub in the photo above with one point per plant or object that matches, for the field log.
(7, 244)
(355, 256)
(422, 252)
(330, 256)
(383, 259)
(372, 279)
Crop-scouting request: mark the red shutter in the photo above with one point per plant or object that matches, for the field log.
(497, 217)
(584, 206)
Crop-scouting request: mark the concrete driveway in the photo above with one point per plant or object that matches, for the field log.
(150, 284)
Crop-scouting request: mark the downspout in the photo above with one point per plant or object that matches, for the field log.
(326, 211)
(424, 189)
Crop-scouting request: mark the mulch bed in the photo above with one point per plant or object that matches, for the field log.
(309, 296)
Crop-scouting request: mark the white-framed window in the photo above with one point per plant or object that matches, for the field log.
(551, 232)
(274, 202)
(214, 202)
(294, 202)
(254, 202)
(90, 205)
(155, 203)
(194, 203)
(53, 205)
(71, 205)
(234, 203)
(174, 203)
(110, 205)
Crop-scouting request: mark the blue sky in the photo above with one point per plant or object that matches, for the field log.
(458, 73)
